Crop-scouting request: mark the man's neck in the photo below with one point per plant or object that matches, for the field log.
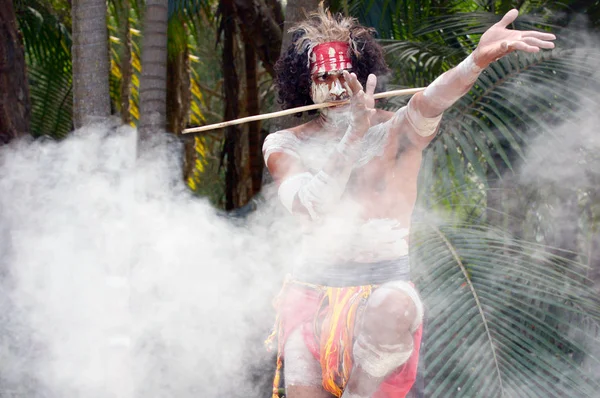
(335, 120)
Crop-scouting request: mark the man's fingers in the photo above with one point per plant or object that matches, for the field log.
(348, 89)
(521, 46)
(508, 18)
(360, 95)
(356, 83)
(532, 41)
(538, 35)
(352, 81)
(371, 84)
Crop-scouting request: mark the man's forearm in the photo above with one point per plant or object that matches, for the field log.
(317, 193)
(448, 88)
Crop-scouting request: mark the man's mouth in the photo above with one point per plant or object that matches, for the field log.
(342, 98)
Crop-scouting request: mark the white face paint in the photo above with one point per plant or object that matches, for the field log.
(336, 89)
(319, 92)
(328, 87)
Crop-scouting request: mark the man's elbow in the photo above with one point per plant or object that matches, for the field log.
(421, 142)
(423, 128)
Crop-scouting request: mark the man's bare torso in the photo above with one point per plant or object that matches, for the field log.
(386, 186)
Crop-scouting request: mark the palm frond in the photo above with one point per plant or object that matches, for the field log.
(476, 22)
(400, 20)
(517, 98)
(191, 12)
(48, 53)
(506, 309)
(418, 63)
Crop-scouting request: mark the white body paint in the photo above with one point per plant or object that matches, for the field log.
(449, 87)
(423, 126)
(319, 92)
(336, 89)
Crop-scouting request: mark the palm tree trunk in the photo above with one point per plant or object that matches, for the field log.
(277, 13)
(91, 98)
(178, 91)
(231, 87)
(254, 131)
(295, 11)
(179, 98)
(126, 69)
(261, 30)
(14, 89)
(153, 82)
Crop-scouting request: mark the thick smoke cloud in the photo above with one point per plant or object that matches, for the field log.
(116, 282)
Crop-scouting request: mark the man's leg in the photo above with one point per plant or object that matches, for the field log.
(418, 389)
(306, 392)
(302, 372)
(384, 337)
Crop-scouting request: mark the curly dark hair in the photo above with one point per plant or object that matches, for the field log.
(293, 77)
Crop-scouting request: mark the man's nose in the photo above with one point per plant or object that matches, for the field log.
(337, 89)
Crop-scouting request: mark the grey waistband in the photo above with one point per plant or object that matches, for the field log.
(355, 274)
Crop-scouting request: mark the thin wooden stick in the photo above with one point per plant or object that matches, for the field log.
(393, 93)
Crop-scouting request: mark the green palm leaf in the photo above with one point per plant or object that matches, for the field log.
(48, 53)
(519, 97)
(418, 63)
(461, 24)
(502, 316)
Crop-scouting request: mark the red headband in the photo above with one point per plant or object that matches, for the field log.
(330, 56)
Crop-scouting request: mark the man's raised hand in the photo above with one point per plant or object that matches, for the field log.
(362, 103)
(499, 41)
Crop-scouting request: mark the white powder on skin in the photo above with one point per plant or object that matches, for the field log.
(319, 92)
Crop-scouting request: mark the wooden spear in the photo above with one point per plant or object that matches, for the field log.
(393, 93)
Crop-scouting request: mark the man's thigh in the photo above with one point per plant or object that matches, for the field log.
(302, 372)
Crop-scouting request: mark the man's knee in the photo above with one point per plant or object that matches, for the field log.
(385, 339)
(393, 310)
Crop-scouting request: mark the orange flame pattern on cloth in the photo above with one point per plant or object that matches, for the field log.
(336, 334)
(333, 331)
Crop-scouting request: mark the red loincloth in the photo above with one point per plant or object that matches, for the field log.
(301, 305)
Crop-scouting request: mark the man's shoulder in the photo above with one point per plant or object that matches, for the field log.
(288, 137)
(297, 131)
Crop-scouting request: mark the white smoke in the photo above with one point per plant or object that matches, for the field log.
(117, 282)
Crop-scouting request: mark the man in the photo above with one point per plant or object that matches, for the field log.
(349, 318)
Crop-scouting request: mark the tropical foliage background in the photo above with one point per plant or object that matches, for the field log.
(506, 242)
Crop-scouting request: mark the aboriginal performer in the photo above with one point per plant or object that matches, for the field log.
(349, 319)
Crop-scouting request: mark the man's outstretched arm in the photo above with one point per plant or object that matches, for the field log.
(426, 108)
